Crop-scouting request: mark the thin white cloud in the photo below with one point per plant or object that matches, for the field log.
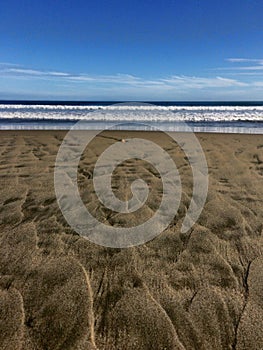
(35, 72)
(200, 82)
(130, 85)
(250, 67)
(174, 81)
(257, 64)
(8, 64)
(242, 60)
(118, 78)
(82, 77)
(258, 84)
(257, 73)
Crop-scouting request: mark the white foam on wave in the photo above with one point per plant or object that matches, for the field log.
(131, 113)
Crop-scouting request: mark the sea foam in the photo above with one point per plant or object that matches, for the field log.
(132, 113)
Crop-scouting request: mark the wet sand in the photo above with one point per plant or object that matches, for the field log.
(199, 290)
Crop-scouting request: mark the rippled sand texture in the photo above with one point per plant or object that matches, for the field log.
(199, 290)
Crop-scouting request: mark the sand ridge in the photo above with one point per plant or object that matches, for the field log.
(197, 290)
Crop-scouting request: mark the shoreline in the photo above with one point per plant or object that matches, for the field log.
(196, 127)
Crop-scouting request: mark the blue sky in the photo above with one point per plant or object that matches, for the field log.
(131, 50)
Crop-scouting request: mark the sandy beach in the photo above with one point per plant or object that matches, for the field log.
(199, 290)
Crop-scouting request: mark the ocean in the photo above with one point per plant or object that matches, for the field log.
(224, 117)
